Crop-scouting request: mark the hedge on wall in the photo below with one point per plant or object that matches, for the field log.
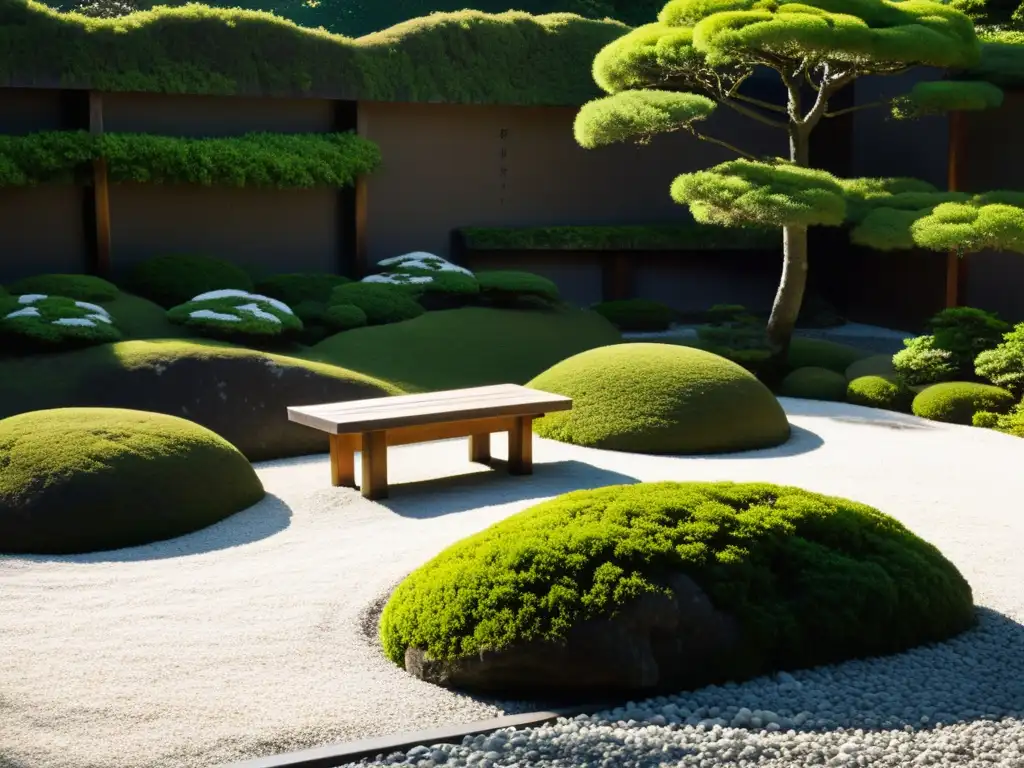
(281, 161)
(462, 57)
(690, 236)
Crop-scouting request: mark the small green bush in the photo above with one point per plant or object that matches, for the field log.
(956, 402)
(229, 314)
(636, 314)
(344, 317)
(814, 384)
(173, 280)
(820, 353)
(733, 336)
(887, 393)
(875, 365)
(965, 333)
(48, 157)
(381, 302)
(297, 288)
(507, 288)
(81, 287)
(986, 419)
(1004, 365)
(922, 362)
(1011, 423)
(728, 314)
(38, 323)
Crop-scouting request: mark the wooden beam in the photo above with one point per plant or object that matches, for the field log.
(343, 461)
(520, 447)
(100, 192)
(956, 266)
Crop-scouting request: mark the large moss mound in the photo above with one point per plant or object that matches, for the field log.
(660, 398)
(956, 402)
(90, 479)
(814, 384)
(808, 579)
(467, 347)
(241, 394)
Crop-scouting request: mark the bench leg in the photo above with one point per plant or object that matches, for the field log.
(375, 465)
(520, 447)
(480, 448)
(343, 461)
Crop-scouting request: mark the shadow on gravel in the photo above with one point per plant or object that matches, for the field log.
(461, 493)
(800, 441)
(260, 521)
(854, 414)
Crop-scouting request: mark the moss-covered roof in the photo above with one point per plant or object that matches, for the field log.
(462, 57)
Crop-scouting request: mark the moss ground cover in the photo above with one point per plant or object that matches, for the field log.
(812, 579)
(814, 384)
(81, 287)
(35, 322)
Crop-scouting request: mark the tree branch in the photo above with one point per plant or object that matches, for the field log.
(754, 115)
(758, 102)
(858, 108)
(721, 143)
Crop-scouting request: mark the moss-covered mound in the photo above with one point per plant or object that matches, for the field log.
(814, 384)
(382, 303)
(875, 365)
(511, 288)
(35, 322)
(91, 479)
(236, 315)
(174, 279)
(807, 579)
(956, 402)
(81, 287)
(660, 398)
(821, 353)
(885, 392)
(636, 314)
(467, 347)
(241, 394)
(294, 288)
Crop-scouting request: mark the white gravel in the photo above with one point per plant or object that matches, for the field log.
(247, 638)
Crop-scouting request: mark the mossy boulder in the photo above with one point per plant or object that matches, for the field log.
(666, 586)
(660, 398)
(236, 315)
(956, 402)
(174, 279)
(81, 287)
(821, 353)
(241, 394)
(875, 365)
(885, 392)
(79, 480)
(814, 384)
(35, 322)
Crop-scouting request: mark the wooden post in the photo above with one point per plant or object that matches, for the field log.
(956, 266)
(361, 201)
(520, 447)
(375, 465)
(616, 277)
(343, 461)
(480, 448)
(100, 191)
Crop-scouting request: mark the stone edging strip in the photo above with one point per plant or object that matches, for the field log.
(333, 755)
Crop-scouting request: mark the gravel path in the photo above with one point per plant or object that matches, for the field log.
(248, 638)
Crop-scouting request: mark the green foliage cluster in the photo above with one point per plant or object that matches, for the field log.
(956, 402)
(692, 236)
(461, 57)
(509, 288)
(381, 303)
(236, 315)
(176, 278)
(281, 161)
(1004, 364)
(957, 336)
(812, 383)
(81, 287)
(660, 399)
(636, 314)
(38, 323)
(1011, 423)
(874, 365)
(921, 362)
(92, 479)
(884, 392)
(345, 317)
(810, 579)
(821, 353)
(298, 287)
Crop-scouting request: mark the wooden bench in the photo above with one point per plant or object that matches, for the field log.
(370, 426)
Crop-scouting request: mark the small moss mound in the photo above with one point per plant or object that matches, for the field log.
(382, 303)
(875, 365)
(814, 384)
(344, 317)
(821, 353)
(92, 479)
(956, 402)
(636, 314)
(175, 279)
(660, 398)
(232, 314)
(81, 287)
(298, 287)
(35, 322)
(810, 579)
(506, 288)
(887, 393)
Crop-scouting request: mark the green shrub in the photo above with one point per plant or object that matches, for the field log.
(81, 287)
(38, 323)
(636, 314)
(956, 402)
(966, 332)
(1004, 365)
(887, 393)
(433, 289)
(734, 336)
(229, 314)
(660, 398)
(729, 314)
(819, 353)
(1011, 423)
(505, 288)
(92, 479)
(297, 288)
(986, 419)
(814, 384)
(50, 157)
(173, 280)
(344, 317)
(875, 365)
(809, 579)
(382, 303)
(921, 362)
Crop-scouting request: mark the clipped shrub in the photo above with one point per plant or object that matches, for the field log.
(708, 582)
(728, 314)
(986, 419)
(432, 289)
(421, 262)
(922, 362)
(875, 365)
(344, 317)
(232, 314)
(965, 333)
(92, 479)
(34, 322)
(1011, 423)
(820, 353)
(173, 280)
(297, 288)
(636, 314)
(814, 384)
(887, 393)
(382, 303)
(660, 398)
(508, 288)
(81, 287)
(1004, 365)
(956, 402)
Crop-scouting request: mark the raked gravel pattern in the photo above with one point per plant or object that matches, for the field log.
(249, 638)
